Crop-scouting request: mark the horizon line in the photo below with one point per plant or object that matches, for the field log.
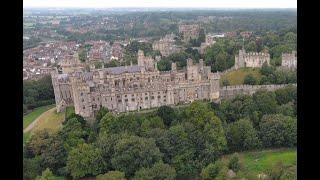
(46, 7)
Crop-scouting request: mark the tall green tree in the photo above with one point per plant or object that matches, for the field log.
(278, 130)
(134, 152)
(242, 136)
(159, 171)
(85, 160)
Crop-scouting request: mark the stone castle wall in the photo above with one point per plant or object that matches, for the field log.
(130, 88)
(251, 59)
(227, 92)
(289, 60)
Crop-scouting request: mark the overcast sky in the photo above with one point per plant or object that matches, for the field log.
(163, 3)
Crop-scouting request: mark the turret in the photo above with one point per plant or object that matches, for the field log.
(189, 62)
(173, 66)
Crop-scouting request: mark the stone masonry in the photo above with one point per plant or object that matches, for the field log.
(232, 91)
(251, 59)
(289, 60)
(189, 31)
(135, 87)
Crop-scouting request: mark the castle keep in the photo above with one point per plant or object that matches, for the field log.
(135, 87)
(189, 31)
(251, 59)
(166, 45)
(289, 60)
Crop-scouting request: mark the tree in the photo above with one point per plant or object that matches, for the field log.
(121, 124)
(221, 62)
(46, 175)
(102, 112)
(251, 46)
(159, 171)
(286, 95)
(286, 109)
(85, 160)
(250, 79)
(151, 123)
(106, 143)
(266, 69)
(234, 163)
(111, 175)
(277, 130)
(242, 136)
(37, 144)
(73, 133)
(211, 171)
(31, 167)
(265, 102)
(167, 114)
(164, 65)
(54, 156)
(134, 152)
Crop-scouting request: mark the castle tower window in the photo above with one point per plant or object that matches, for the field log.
(146, 98)
(81, 94)
(83, 107)
(126, 100)
(82, 100)
(132, 99)
(152, 97)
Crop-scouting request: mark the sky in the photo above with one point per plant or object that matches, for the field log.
(162, 3)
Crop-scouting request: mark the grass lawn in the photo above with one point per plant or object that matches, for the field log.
(237, 77)
(26, 137)
(260, 161)
(50, 120)
(30, 117)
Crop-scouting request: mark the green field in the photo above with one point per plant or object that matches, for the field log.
(237, 77)
(30, 117)
(261, 161)
(50, 120)
(26, 137)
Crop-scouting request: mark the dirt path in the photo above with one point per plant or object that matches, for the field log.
(36, 121)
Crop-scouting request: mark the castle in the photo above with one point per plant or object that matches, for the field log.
(289, 60)
(166, 45)
(134, 87)
(189, 31)
(251, 59)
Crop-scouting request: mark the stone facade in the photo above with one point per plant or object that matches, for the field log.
(252, 59)
(62, 90)
(166, 45)
(209, 42)
(232, 91)
(289, 60)
(135, 87)
(189, 31)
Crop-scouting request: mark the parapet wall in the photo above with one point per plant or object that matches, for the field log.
(232, 91)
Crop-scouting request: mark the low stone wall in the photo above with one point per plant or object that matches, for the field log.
(232, 91)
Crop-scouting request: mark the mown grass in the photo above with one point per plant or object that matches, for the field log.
(26, 137)
(237, 77)
(30, 117)
(50, 120)
(261, 161)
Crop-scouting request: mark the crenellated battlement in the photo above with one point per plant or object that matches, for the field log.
(232, 91)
